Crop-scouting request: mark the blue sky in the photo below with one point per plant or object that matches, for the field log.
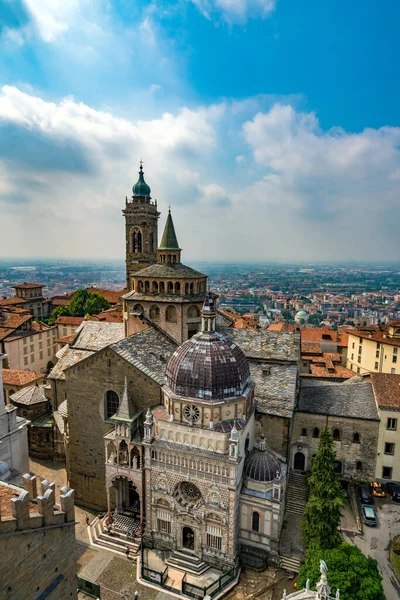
(271, 127)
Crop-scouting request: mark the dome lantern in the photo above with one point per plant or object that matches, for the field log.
(141, 189)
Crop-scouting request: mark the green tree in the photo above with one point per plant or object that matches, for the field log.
(349, 570)
(77, 304)
(322, 512)
(60, 311)
(95, 304)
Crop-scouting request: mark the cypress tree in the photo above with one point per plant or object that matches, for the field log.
(322, 512)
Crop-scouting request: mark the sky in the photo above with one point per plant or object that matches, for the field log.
(271, 127)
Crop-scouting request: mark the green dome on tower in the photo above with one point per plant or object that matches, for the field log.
(141, 188)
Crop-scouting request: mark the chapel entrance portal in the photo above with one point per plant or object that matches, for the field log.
(299, 461)
(188, 538)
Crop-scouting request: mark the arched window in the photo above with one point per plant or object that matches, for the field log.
(170, 287)
(336, 434)
(186, 288)
(170, 314)
(191, 288)
(356, 438)
(315, 432)
(193, 312)
(151, 243)
(174, 259)
(146, 287)
(359, 465)
(139, 241)
(255, 522)
(140, 286)
(154, 312)
(177, 288)
(112, 402)
(154, 287)
(161, 287)
(123, 457)
(138, 307)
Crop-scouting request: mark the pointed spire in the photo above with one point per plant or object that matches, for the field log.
(262, 444)
(234, 433)
(169, 240)
(149, 417)
(123, 412)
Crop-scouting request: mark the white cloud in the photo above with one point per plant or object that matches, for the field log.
(274, 187)
(235, 11)
(328, 172)
(52, 17)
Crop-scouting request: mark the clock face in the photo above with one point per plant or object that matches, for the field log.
(192, 413)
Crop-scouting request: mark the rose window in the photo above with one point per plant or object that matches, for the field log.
(192, 413)
(187, 494)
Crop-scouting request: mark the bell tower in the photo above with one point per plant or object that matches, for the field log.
(141, 229)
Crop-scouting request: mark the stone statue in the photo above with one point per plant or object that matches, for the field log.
(323, 568)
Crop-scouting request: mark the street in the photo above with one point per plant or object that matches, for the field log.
(375, 541)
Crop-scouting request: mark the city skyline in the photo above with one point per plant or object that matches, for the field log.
(273, 132)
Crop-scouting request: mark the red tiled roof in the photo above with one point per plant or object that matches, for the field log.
(386, 389)
(13, 320)
(20, 378)
(339, 372)
(65, 320)
(314, 334)
(66, 339)
(113, 317)
(12, 301)
(311, 348)
(281, 327)
(28, 286)
(60, 301)
(376, 337)
(112, 296)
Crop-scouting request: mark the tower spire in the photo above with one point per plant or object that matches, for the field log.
(208, 313)
(169, 251)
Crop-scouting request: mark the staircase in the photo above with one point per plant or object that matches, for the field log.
(290, 564)
(115, 542)
(183, 560)
(297, 493)
(291, 552)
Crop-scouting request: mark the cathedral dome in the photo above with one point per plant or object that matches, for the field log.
(141, 188)
(208, 366)
(262, 465)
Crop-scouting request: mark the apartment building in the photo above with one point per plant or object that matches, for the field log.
(374, 349)
(387, 396)
(30, 346)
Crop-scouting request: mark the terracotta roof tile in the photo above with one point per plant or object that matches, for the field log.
(18, 378)
(12, 301)
(64, 320)
(386, 389)
(112, 296)
(28, 286)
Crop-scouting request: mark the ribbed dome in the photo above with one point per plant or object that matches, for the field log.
(262, 466)
(141, 188)
(208, 366)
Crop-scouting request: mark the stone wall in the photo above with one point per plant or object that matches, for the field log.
(38, 548)
(347, 451)
(276, 431)
(86, 385)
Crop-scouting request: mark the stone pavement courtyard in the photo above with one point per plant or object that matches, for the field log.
(117, 575)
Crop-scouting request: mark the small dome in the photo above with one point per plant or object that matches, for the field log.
(4, 470)
(262, 466)
(141, 188)
(208, 366)
(302, 313)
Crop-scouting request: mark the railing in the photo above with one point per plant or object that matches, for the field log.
(188, 589)
(199, 592)
(192, 472)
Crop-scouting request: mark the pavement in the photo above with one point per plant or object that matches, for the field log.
(375, 541)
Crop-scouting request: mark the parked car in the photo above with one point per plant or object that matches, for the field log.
(368, 515)
(394, 491)
(365, 494)
(377, 489)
